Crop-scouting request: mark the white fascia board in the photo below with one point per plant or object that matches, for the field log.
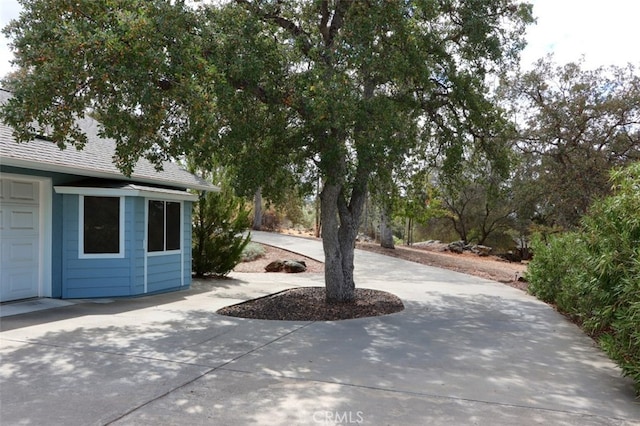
(157, 193)
(166, 194)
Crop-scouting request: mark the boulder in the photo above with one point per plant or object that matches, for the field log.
(292, 266)
(456, 247)
(275, 266)
(481, 250)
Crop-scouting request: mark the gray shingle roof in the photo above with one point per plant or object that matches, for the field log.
(95, 160)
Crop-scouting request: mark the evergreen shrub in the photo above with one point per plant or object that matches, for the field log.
(219, 220)
(593, 274)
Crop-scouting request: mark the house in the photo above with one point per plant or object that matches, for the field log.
(72, 226)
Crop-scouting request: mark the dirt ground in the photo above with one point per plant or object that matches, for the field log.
(490, 267)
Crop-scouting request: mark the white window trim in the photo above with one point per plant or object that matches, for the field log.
(146, 232)
(81, 253)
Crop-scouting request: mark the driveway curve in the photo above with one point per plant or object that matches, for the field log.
(465, 351)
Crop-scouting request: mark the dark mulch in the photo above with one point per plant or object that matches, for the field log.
(309, 304)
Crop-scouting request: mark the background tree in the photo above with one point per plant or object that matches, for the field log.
(418, 201)
(477, 192)
(343, 87)
(575, 126)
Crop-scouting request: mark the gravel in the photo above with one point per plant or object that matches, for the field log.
(309, 304)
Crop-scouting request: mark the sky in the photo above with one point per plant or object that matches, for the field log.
(602, 32)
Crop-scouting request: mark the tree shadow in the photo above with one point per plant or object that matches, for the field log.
(490, 350)
(218, 288)
(447, 358)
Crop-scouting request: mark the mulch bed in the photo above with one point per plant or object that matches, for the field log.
(309, 304)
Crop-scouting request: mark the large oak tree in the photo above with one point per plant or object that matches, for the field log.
(576, 125)
(282, 90)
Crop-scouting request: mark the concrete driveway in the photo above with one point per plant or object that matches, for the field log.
(465, 351)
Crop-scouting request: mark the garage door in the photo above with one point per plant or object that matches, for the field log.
(19, 239)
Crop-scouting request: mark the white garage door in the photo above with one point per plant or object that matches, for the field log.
(19, 238)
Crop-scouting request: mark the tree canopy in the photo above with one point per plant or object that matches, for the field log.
(281, 90)
(575, 125)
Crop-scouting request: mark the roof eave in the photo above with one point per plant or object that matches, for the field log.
(88, 172)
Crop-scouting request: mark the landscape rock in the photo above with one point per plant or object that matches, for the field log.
(292, 266)
(481, 250)
(362, 238)
(456, 247)
(275, 266)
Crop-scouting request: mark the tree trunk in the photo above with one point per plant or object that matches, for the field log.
(409, 236)
(257, 210)
(386, 234)
(317, 208)
(339, 231)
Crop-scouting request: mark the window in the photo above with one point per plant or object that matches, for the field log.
(101, 226)
(163, 226)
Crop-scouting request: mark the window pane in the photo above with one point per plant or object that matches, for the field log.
(173, 226)
(101, 225)
(155, 226)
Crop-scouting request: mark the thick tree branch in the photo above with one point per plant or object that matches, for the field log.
(341, 9)
(294, 30)
(324, 20)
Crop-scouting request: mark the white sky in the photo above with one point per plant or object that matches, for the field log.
(605, 32)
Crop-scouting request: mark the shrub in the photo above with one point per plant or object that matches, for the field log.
(594, 274)
(612, 233)
(252, 252)
(219, 221)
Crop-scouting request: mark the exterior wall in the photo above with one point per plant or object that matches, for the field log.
(163, 273)
(87, 278)
(138, 248)
(73, 277)
(167, 272)
(188, 242)
(94, 277)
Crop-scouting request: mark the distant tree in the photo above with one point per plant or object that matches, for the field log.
(575, 126)
(257, 210)
(276, 88)
(479, 209)
(478, 192)
(418, 202)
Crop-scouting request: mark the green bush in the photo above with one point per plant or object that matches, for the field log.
(252, 252)
(594, 274)
(219, 221)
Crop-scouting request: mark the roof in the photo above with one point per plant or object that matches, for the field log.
(94, 160)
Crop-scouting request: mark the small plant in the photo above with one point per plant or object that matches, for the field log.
(218, 241)
(252, 252)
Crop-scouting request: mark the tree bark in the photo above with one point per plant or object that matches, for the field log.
(318, 224)
(386, 234)
(257, 210)
(339, 231)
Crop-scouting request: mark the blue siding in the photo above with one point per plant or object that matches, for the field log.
(138, 247)
(163, 272)
(73, 277)
(94, 277)
(187, 242)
